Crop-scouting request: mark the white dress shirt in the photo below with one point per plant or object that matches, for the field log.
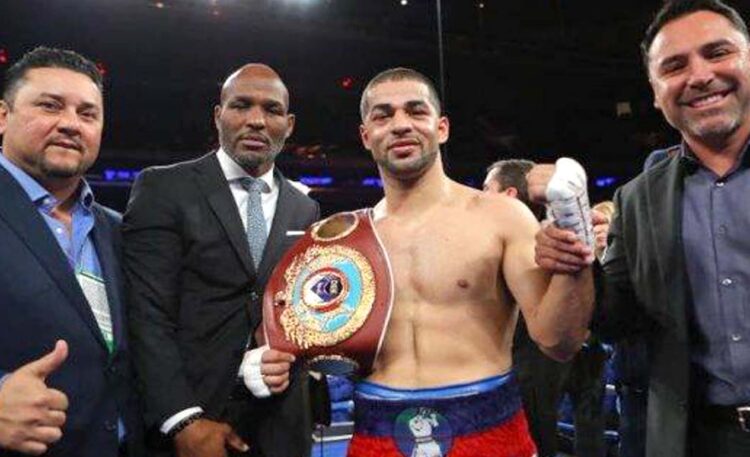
(268, 199)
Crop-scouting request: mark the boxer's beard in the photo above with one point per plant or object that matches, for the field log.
(408, 168)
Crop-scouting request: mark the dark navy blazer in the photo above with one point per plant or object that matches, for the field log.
(41, 302)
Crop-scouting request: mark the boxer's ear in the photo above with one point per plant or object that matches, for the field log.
(364, 135)
(444, 129)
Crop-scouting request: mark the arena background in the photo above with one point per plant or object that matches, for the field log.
(533, 78)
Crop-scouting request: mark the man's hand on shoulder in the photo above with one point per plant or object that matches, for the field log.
(32, 414)
(207, 438)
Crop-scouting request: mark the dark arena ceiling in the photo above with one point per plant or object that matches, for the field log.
(528, 78)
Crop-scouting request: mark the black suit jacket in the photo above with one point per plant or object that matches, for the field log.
(646, 290)
(41, 302)
(197, 298)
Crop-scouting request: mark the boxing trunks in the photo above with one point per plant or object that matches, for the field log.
(329, 298)
(478, 419)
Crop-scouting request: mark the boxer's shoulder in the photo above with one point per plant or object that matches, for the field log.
(497, 215)
(484, 201)
(501, 207)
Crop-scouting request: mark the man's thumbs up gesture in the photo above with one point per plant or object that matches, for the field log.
(32, 414)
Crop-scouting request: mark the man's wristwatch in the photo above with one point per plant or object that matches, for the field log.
(183, 424)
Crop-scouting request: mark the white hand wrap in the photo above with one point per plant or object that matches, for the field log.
(568, 200)
(250, 371)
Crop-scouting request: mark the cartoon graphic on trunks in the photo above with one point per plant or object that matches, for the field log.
(423, 432)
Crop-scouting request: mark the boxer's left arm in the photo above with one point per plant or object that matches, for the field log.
(557, 307)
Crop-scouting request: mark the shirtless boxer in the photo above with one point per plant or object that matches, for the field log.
(461, 259)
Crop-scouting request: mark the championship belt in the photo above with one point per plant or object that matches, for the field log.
(329, 298)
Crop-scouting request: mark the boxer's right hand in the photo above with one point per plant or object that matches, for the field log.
(560, 251)
(207, 438)
(275, 367)
(265, 371)
(32, 414)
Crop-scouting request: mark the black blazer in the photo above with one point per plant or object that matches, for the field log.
(196, 297)
(645, 290)
(41, 302)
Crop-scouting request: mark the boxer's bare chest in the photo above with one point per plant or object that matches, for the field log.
(449, 255)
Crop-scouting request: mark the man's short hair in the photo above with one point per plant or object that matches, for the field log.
(675, 9)
(44, 57)
(400, 74)
(512, 173)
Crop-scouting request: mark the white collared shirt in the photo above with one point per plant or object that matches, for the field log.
(268, 199)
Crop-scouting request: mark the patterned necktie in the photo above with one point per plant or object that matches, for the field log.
(256, 223)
